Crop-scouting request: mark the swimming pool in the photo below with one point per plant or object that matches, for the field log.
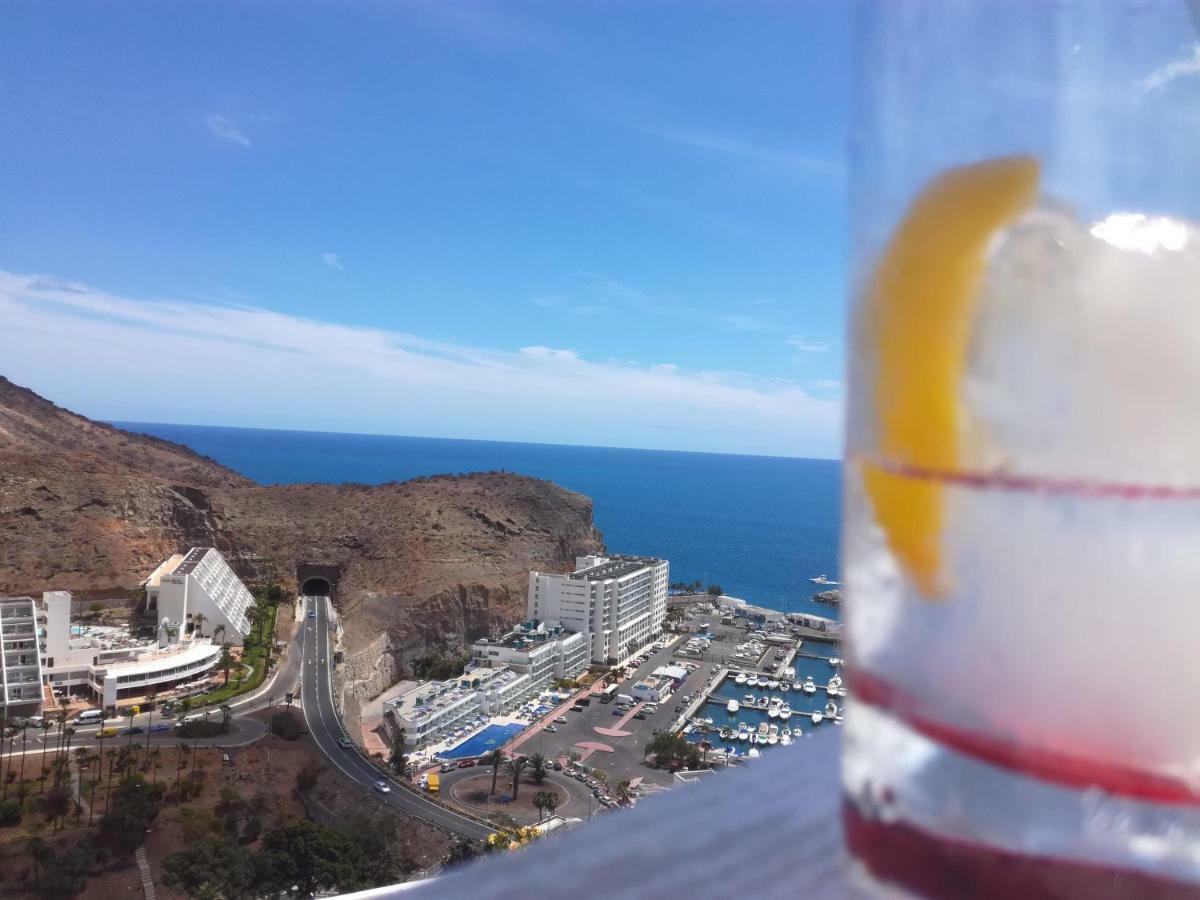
(489, 739)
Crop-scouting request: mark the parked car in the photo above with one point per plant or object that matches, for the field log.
(383, 787)
(466, 764)
(446, 767)
(136, 729)
(160, 726)
(557, 766)
(561, 720)
(619, 712)
(577, 708)
(639, 715)
(584, 701)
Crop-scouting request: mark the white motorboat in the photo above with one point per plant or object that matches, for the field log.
(834, 685)
(810, 686)
(785, 712)
(763, 703)
(823, 579)
(762, 732)
(773, 734)
(731, 707)
(831, 709)
(835, 661)
(798, 686)
(773, 708)
(773, 685)
(752, 681)
(753, 753)
(785, 685)
(748, 700)
(785, 740)
(741, 678)
(817, 717)
(785, 732)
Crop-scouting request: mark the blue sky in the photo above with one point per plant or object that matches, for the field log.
(596, 223)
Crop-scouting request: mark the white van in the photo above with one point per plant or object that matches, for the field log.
(89, 717)
(625, 699)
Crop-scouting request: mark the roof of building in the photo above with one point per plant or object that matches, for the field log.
(166, 567)
(615, 567)
(194, 557)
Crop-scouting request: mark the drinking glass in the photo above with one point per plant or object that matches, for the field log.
(1022, 490)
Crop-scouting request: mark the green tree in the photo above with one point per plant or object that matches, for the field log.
(538, 767)
(198, 621)
(495, 759)
(546, 803)
(515, 767)
(304, 857)
(462, 851)
(226, 662)
(715, 590)
(381, 846)
(670, 751)
(600, 775)
(211, 868)
(134, 807)
(39, 853)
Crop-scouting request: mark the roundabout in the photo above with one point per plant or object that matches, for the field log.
(469, 790)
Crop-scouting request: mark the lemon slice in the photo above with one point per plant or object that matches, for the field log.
(918, 314)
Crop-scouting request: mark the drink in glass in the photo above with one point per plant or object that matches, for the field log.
(1022, 522)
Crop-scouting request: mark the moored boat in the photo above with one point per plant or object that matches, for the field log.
(731, 707)
(817, 717)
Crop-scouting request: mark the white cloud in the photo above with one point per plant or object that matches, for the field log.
(1161, 77)
(798, 165)
(333, 261)
(225, 129)
(804, 345)
(119, 357)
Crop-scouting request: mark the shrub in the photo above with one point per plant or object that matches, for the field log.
(286, 726)
(10, 812)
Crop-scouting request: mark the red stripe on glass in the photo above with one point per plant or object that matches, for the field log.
(1046, 764)
(1036, 484)
(943, 867)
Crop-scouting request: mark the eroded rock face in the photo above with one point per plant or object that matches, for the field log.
(93, 509)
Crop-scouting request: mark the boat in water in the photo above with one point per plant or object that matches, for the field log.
(817, 717)
(773, 734)
(726, 733)
(731, 707)
(763, 703)
(752, 681)
(762, 733)
(798, 686)
(741, 678)
(773, 707)
(831, 710)
(785, 739)
(748, 700)
(785, 712)
(823, 579)
(753, 753)
(810, 686)
(835, 661)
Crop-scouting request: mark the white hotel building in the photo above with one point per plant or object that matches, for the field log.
(617, 603)
(502, 675)
(43, 647)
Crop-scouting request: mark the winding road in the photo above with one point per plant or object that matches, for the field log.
(325, 728)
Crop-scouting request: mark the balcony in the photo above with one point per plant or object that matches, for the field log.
(768, 829)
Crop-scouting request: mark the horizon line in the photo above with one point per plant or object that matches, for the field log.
(125, 423)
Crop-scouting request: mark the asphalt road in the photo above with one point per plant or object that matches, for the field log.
(324, 726)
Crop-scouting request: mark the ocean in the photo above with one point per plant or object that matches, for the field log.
(760, 527)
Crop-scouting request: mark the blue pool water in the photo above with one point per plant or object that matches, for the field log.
(487, 740)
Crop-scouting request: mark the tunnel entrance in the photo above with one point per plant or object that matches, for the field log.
(315, 587)
(318, 579)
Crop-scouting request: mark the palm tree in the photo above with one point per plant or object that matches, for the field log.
(179, 767)
(198, 621)
(495, 759)
(220, 629)
(10, 733)
(46, 726)
(546, 802)
(131, 712)
(39, 852)
(623, 792)
(225, 663)
(151, 696)
(226, 715)
(153, 757)
(24, 742)
(515, 766)
(538, 766)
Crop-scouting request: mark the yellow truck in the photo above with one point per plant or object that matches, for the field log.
(434, 784)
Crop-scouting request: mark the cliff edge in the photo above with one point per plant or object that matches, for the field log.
(92, 508)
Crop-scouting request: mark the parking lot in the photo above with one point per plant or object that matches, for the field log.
(625, 760)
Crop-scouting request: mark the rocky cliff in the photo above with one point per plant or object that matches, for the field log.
(91, 508)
